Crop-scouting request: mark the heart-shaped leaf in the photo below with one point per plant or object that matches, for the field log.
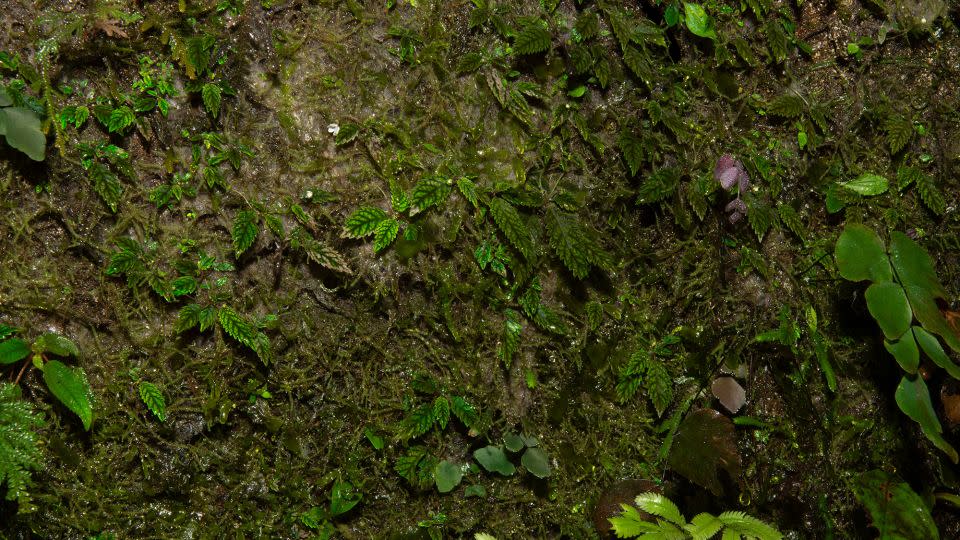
(494, 459)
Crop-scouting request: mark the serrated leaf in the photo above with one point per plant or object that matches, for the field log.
(399, 200)
(787, 105)
(385, 234)
(469, 191)
(464, 411)
(569, 241)
(761, 218)
(212, 96)
(703, 526)
(20, 449)
(419, 421)
(237, 327)
(106, 184)
(509, 221)
(13, 350)
(187, 318)
(930, 195)
(363, 222)
(70, 386)
(792, 220)
(658, 186)
(244, 231)
(120, 119)
(899, 132)
(659, 385)
(347, 133)
(470, 62)
(441, 411)
(533, 38)
(153, 398)
(493, 459)
(632, 149)
(660, 506)
(428, 192)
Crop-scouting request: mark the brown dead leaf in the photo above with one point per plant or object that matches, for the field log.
(110, 28)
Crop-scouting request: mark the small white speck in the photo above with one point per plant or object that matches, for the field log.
(333, 129)
(308, 195)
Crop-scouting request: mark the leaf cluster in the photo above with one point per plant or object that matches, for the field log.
(670, 523)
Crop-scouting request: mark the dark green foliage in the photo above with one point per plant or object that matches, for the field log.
(895, 509)
(244, 231)
(20, 127)
(658, 186)
(428, 192)
(70, 386)
(120, 119)
(240, 329)
(212, 96)
(20, 451)
(106, 184)
(573, 244)
(512, 224)
(533, 38)
(899, 132)
(632, 150)
(788, 105)
(347, 133)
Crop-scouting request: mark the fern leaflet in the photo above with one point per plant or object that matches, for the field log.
(152, 397)
(212, 96)
(19, 443)
(363, 222)
(244, 231)
(899, 132)
(428, 192)
(534, 38)
(508, 219)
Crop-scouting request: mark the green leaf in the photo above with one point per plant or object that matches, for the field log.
(419, 421)
(13, 350)
(535, 460)
(788, 105)
(897, 511)
(704, 445)
(343, 498)
(399, 200)
(56, 344)
(658, 186)
(913, 398)
(660, 506)
(212, 96)
(70, 386)
(508, 219)
(932, 348)
(888, 304)
(861, 255)
(428, 192)
(868, 184)
(569, 241)
(237, 327)
(630, 524)
(704, 526)
(120, 119)
(464, 411)
(533, 38)
(106, 184)
(914, 268)
(244, 231)
(493, 459)
(20, 447)
(447, 476)
(441, 411)
(744, 525)
(385, 234)
(899, 132)
(930, 195)
(21, 127)
(469, 191)
(187, 318)
(632, 148)
(659, 385)
(347, 133)
(905, 351)
(363, 222)
(153, 398)
(697, 20)
(513, 442)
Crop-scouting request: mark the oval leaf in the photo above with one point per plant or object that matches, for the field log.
(70, 386)
(905, 351)
(698, 22)
(860, 255)
(494, 459)
(447, 476)
(535, 460)
(868, 184)
(932, 348)
(13, 350)
(22, 130)
(888, 304)
(56, 344)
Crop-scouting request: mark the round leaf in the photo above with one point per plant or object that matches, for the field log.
(535, 460)
(70, 386)
(860, 255)
(513, 442)
(447, 476)
(494, 459)
(888, 304)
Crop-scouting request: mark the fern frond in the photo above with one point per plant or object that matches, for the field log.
(660, 506)
(464, 411)
(19, 443)
(787, 105)
(899, 132)
(508, 219)
(212, 96)
(428, 192)
(153, 398)
(106, 184)
(703, 526)
(441, 411)
(630, 523)
(930, 195)
(749, 526)
(568, 241)
(632, 149)
(658, 186)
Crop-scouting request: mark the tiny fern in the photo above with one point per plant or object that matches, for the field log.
(533, 38)
(671, 523)
(244, 231)
(511, 223)
(237, 327)
(19, 443)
